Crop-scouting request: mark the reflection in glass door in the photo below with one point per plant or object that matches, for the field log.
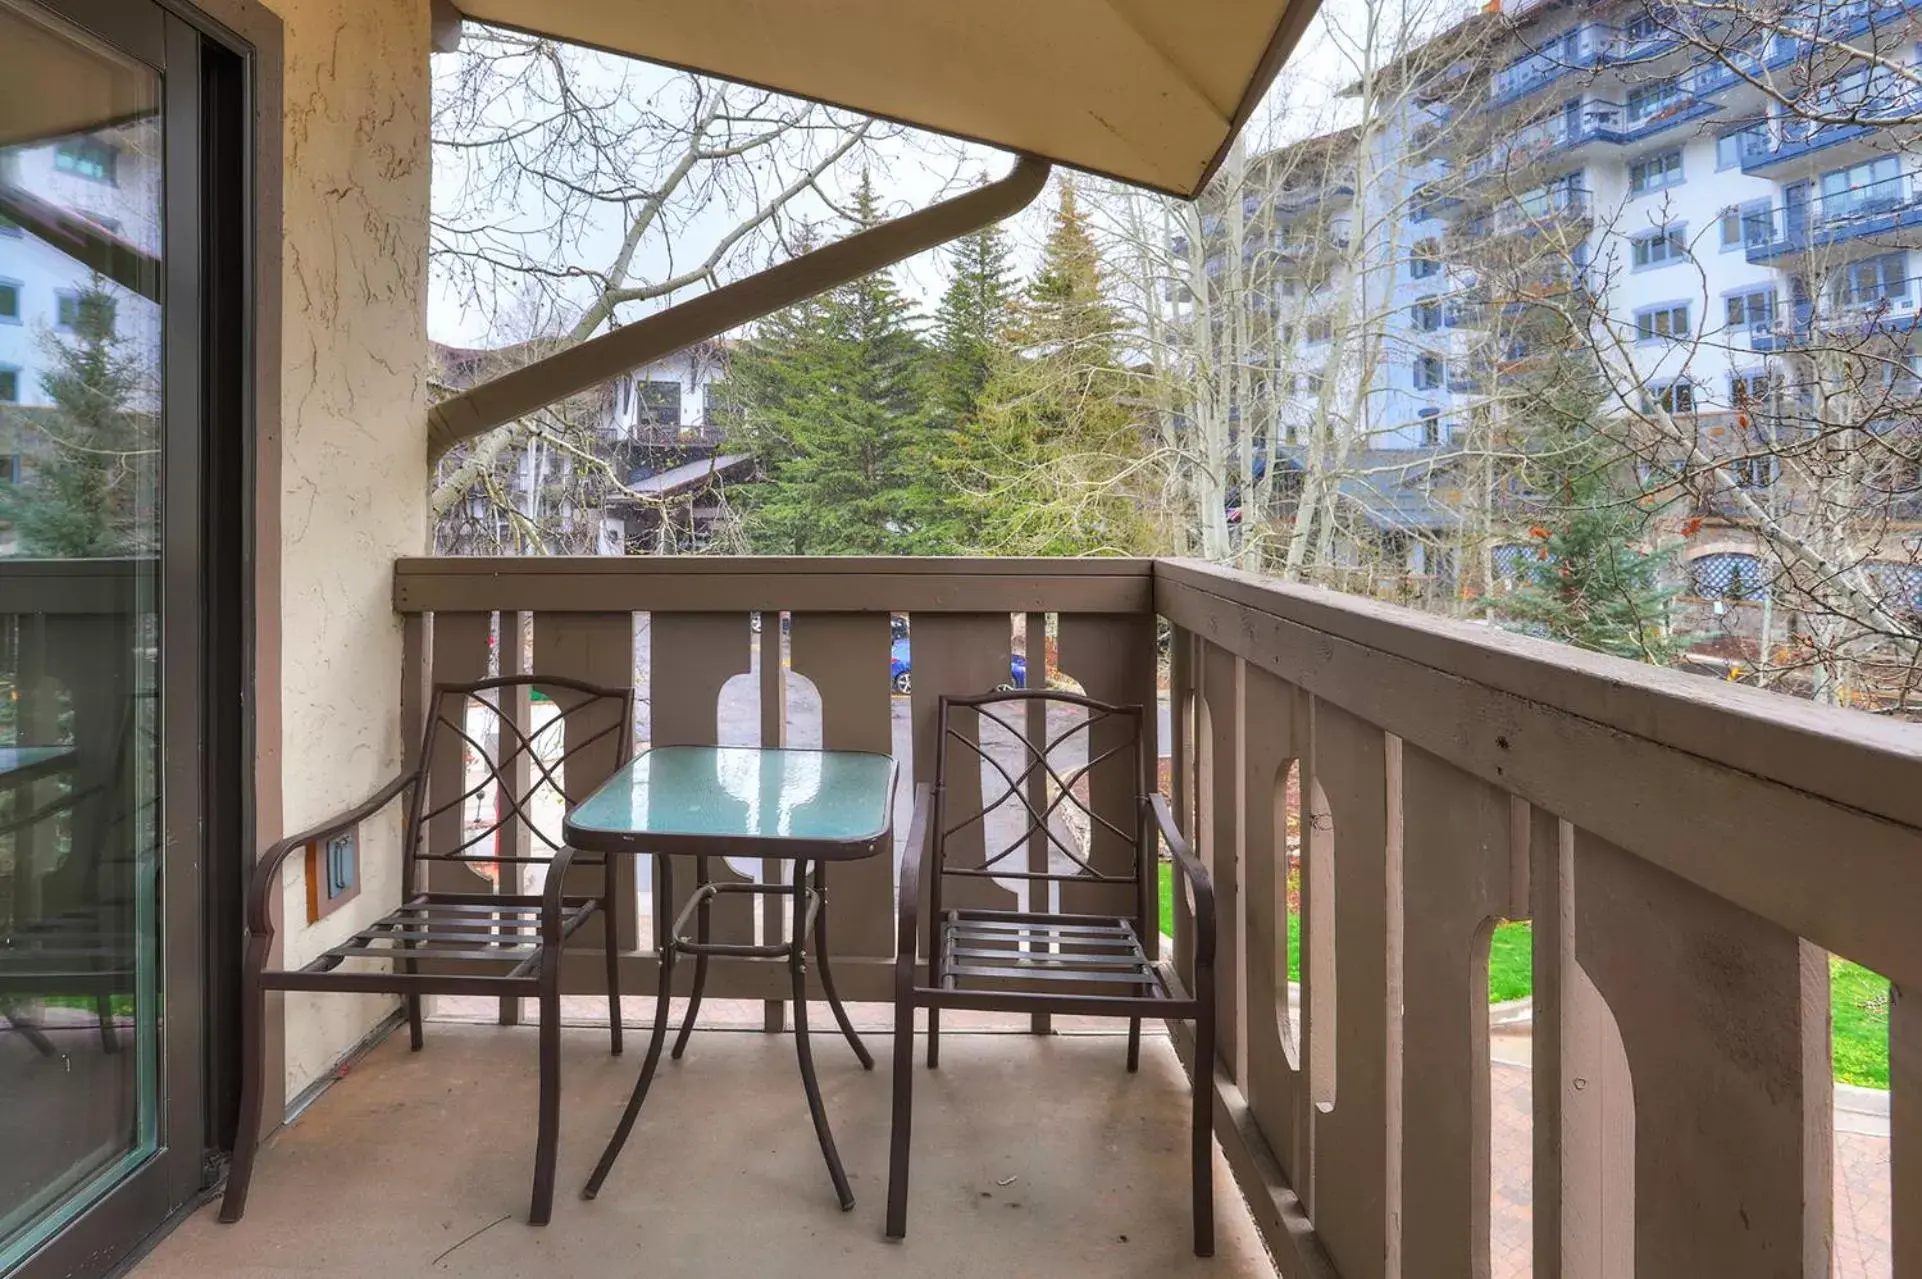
(82, 418)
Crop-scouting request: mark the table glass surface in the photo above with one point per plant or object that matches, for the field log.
(743, 792)
(21, 759)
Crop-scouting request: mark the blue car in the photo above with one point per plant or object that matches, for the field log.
(901, 676)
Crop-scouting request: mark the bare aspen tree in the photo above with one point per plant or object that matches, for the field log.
(575, 190)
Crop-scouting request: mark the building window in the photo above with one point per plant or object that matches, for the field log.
(1748, 390)
(1429, 372)
(1663, 323)
(1311, 383)
(1655, 172)
(1287, 335)
(1660, 248)
(1731, 148)
(1426, 261)
(1431, 426)
(1725, 575)
(1428, 315)
(1753, 472)
(1751, 224)
(9, 301)
(1868, 188)
(1321, 329)
(1641, 27)
(88, 158)
(1649, 100)
(1872, 280)
(9, 385)
(1671, 397)
(1750, 308)
(657, 403)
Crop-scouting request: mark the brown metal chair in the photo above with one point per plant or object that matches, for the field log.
(457, 936)
(1040, 962)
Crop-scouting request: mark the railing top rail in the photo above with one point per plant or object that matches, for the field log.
(1847, 756)
(598, 584)
(1804, 815)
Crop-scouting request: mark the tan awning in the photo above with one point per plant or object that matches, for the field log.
(1149, 91)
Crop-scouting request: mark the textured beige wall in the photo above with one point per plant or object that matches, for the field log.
(353, 470)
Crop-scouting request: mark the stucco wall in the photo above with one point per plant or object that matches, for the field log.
(353, 469)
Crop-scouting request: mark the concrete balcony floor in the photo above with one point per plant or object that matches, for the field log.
(420, 1163)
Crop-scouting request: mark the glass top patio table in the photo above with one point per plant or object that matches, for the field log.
(741, 801)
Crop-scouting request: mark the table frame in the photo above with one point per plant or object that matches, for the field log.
(808, 919)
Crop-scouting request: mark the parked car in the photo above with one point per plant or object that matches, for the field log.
(900, 672)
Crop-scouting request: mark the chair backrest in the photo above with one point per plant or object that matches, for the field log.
(1060, 790)
(483, 772)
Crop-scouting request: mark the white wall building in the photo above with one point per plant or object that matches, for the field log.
(111, 179)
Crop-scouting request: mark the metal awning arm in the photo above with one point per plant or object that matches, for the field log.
(603, 358)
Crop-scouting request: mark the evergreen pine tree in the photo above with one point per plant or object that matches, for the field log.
(80, 498)
(970, 326)
(832, 396)
(1590, 580)
(1047, 466)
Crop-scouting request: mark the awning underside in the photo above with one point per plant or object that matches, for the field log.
(1143, 90)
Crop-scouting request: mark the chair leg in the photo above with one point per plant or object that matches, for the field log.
(827, 973)
(934, 1038)
(903, 1127)
(253, 1052)
(414, 1037)
(1204, 1121)
(1134, 1044)
(611, 939)
(547, 1141)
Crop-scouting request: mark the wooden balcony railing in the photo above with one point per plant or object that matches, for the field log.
(1687, 850)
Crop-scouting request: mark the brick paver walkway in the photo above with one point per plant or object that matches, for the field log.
(1861, 1189)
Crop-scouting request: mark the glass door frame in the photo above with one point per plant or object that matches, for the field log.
(206, 660)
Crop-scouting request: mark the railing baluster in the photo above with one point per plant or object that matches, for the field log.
(1348, 1194)
(1905, 1131)
(1035, 729)
(597, 648)
(1183, 695)
(1455, 883)
(845, 655)
(1113, 658)
(1732, 1166)
(1220, 830)
(460, 657)
(1274, 1083)
(691, 656)
(964, 653)
(773, 706)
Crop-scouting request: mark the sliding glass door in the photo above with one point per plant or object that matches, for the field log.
(102, 693)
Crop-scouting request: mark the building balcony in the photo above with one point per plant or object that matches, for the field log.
(1554, 139)
(1800, 145)
(1878, 209)
(1451, 776)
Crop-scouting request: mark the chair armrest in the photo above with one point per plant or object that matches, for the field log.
(914, 860)
(1198, 879)
(265, 878)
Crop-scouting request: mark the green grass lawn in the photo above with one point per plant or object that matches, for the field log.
(1859, 998)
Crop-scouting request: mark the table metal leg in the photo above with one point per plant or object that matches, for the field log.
(797, 965)
(654, 1044)
(827, 973)
(701, 935)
